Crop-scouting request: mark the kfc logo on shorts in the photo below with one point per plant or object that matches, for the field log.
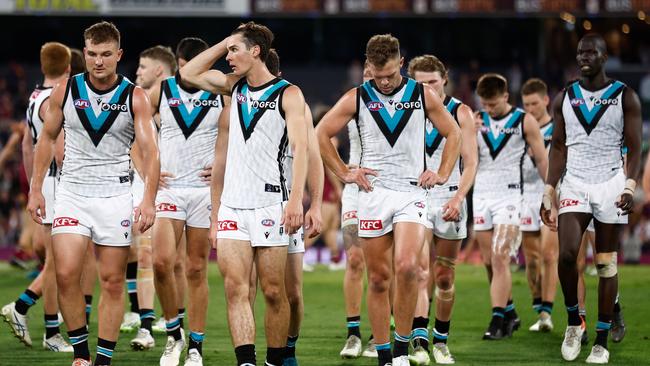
(370, 225)
(65, 221)
(81, 103)
(174, 102)
(268, 222)
(126, 223)
(567, 202)
(479, 220)
(168, 207)
(226, 225)
(419, 204)
(374, 106)
(526, 220)
(349, 215)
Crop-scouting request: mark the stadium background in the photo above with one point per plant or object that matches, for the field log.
(321, 44)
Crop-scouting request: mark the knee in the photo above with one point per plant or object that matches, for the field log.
(179, 265)
(112, 285)
(196, 270)
(294, 295)
(379, 281)
(444, 278)
(65, 278)
(406, 268)
(355, 262)
(235, 290)
(162, 265)
(274, 294)
(568, 259)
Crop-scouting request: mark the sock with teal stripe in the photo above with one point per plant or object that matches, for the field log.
(354, 322)
(196, 341)
(79, 340)
(51, 325)
(26, 300)
(290, 350)
(131, 285)
(401, 345)
(384, 354)
(173, 326)
(420, 333)
(537, 304)
(574, 315)
(602, 329)
(441, 331)
(89, 307)
(146, 318)
(547, 307)
(104, 352)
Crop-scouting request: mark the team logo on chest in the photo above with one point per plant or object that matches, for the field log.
(392, 126)
(249, 115)
(188, 121)
(98, 125)
(496, 136)
(589, 117)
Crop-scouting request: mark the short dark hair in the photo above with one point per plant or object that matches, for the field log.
(381, 48)
(161, 54)
(427, 63)
(273, 62)
(256, 35)
(491, 85)
(77, 62)
(189, 47)
(534, 86)
(102, 32)
(55, 59)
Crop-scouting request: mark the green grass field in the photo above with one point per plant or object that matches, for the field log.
(323, 331)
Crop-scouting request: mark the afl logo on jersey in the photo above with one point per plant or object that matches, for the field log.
(374, 106)
(81, 103)
(408, 105)
(174, 102)
(576, 102)
(268, 222)
(241, 98)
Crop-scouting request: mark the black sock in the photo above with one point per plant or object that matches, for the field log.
(245, 354)
(537, 304)
(51, 325)
(617, 307)
(89, 307)
(104, 352)
(181, 317)
(400, 345)
(547, 307)
(173, 328)
(384, 354)
(574, 315)
(79, 341)
(146, 319)
(602, 329)
(274, 356)
(196, 341)
(354, 322)
(498, 315)
(290, 350)
(420, 333)
(510, 311)
(25, 301)
(131, 285)
(441, 331)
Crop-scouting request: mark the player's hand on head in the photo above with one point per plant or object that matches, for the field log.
(206, 174)
(451, 210)
(36, 206)
(164, 178)
(359, 176)
(292, 217)
(428, 179)
(313, 222)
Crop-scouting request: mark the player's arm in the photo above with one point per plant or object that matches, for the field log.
(448, 128)
(44, 151)
(8, 150)
(469, 154)
(197, 72)
(632, 138)
(293, 104)
(556, 162)
(334, 121)
(27, 146)
(535, 140)
(315, 178)
(145, 134)
(219, 168)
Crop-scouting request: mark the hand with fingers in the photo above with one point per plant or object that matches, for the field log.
(164, 178)
(214, 229)
(547, 210)
(429, 178)
(478, 120)
(206, 174)
(625, 201)
(36, 206)
(359, 177)
(451, 210)
(313, 222)
(144, 216)
(292, 217)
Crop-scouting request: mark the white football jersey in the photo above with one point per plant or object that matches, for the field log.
(435, 144)
(35, 120)
(98, 127)
(593, 122)
(188, 131)
(533, 183)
